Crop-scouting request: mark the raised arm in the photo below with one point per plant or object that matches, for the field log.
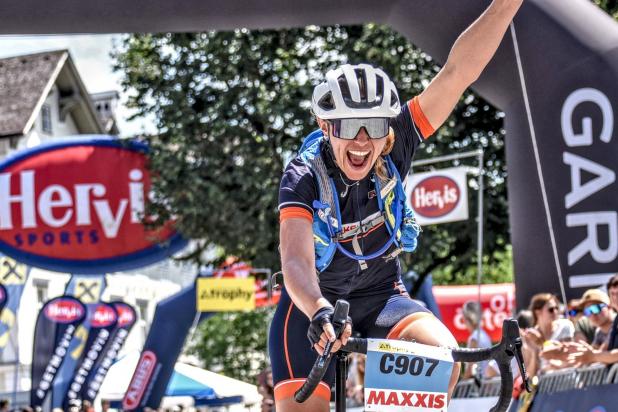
(467, 59)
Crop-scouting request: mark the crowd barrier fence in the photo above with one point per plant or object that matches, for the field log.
(550, 382)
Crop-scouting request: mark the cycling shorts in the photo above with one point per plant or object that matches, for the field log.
(383, 313)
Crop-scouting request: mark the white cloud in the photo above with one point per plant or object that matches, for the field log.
(91, 55)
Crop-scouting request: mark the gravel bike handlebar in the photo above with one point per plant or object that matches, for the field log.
(502, 353)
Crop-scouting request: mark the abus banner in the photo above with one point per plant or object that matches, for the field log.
(86, 222)
(171, 324)
(497, 303)
(94, 379)
(55, 326)
(438, 197)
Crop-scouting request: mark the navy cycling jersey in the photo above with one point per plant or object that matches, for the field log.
(299, 189)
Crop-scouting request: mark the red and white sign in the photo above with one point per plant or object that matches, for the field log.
(438, 197)
(104, 315)
(64, 311)
(141, 377)
(497, 303)
(126, 314)
(78, 206)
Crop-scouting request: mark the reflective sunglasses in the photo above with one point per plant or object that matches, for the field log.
(594, 309)
(377, 127)
(574, 312)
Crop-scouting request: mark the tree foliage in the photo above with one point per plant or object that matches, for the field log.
(234, 343)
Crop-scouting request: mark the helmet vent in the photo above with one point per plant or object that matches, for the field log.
(326, 102)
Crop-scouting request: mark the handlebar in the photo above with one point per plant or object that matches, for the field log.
(502, 353)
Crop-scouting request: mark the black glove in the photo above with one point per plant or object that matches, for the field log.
(322, 317)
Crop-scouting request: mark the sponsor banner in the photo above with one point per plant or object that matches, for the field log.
(172, 322)
(103, 320)
(438, 197)
(13, 276)
(126, 319)
(88, 289)
(600, 398)
(234, 268)
(56, 324)
(406, 376)
(497, 303)
(87, 222)
(225, 294)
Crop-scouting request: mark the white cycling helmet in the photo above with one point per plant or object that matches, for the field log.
(355, 91)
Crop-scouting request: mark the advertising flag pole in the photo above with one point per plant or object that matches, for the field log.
(479, 240)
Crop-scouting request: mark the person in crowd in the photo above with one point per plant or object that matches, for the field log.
(584, 329)
(550, 332)
(478, 338)
(266, 389)
(604, 349)
(105, 405)
(595, 306)
(343, 214)
(5, 405)
(355, 385)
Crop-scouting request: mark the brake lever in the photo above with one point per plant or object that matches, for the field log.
(339, 319)
(520, 363)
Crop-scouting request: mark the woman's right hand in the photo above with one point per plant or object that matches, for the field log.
(321, 331)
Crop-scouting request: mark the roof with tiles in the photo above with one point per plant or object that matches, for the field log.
(23, 82)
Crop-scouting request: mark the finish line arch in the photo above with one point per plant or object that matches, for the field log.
(554, 76)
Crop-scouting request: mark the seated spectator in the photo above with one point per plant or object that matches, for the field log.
(478, 338)
(265, 388)
(599, 311)
(4, 405)
(355, 385)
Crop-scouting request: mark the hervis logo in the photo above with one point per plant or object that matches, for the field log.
(435, 196)
(65, 310)
(126, 314)
(78, 206)
(103, 316)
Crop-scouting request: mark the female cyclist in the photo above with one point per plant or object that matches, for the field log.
(343, 213)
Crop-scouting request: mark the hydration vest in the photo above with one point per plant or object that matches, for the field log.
(328, 230)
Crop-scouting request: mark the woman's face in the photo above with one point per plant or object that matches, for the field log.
(549, 312)
(355, 157)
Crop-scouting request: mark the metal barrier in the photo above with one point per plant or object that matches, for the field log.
(466, 388)
(612, 374)
(550, 382)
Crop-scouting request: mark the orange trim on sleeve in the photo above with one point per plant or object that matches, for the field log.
(395, 332)
(292, 211)
(287, 389)
(418, 117)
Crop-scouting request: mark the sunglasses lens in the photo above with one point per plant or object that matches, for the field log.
(573, 313)
(377, 128)
(593, 310)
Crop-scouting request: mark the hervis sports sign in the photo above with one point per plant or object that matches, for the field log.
(438, 197)
(77, 206)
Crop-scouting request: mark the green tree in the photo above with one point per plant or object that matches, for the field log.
(233, 343)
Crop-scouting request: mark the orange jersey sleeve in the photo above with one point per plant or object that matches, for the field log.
(418, 117)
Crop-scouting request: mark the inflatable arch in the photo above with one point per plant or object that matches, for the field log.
(555, 76)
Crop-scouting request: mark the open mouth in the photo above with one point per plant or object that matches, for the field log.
(358, 159)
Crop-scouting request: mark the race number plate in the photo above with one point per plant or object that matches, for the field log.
(406, 376)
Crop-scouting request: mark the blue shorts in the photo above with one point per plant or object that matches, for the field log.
(380, 314)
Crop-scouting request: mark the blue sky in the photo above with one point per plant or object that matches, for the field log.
(91, 54)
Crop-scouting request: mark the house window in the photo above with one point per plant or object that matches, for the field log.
(40, 288)
(46, 119)
(142, 308)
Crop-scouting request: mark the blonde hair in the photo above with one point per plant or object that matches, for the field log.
(380, 166)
